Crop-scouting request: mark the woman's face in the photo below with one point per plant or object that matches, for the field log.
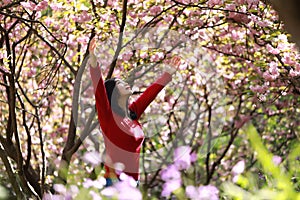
(123, 87)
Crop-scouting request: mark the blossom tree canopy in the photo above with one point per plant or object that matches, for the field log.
(240, 67)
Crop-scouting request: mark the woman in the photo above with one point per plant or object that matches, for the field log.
(123, 134)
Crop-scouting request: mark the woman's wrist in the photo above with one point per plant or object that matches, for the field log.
(92, 61)
(170, 70)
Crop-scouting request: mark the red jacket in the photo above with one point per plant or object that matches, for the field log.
(123, 137)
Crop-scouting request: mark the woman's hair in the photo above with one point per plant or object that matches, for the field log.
(113, 95)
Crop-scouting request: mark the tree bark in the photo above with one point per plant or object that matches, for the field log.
(288, 11)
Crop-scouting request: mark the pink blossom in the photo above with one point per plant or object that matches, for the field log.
(144, 55)
(142, 14)
(154, 10)
(83, 17)
(168, 18)
(3, 54)
(182, 157)
(123, 190)
(60, 188)
(5, 2)
(283, 38)
(48, 21)
(272, 73)
(49, 196)
(283, 46)
(92, 157)
(56, 6)
(193, 157)
(191, 192)
(273, 70)
(83, 39)
(259, 88)
(254, 2)
(171, 172)
(95, 195)
(272, 50)
(170, 186)
(267, 76)
(238, 168)
(127, 56)
(230, 7)
(212, 3)
(207, 192)
(240, 2)
(263, 23)
(132, 14)
(157, 57)
(28, 5)
(277, 160)
(236, 35)
(287, 59)
(94, 183)
(42, 5)
(228, 75)
(294, 73)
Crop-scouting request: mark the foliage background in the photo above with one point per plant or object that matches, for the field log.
(240, 68)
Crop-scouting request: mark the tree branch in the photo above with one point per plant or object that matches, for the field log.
(120, 41)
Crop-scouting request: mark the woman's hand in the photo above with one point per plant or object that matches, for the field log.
(92, 59)
(173, 65)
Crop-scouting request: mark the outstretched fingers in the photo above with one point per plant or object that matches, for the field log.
(175, 61)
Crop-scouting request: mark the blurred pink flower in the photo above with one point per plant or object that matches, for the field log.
(294, 73)
(48, 21)
(28, 5)
(207, 192)
(253, 2)
(182, 157)
(56, 6)
(123, 190)
(287, 59)
(99, 183)
(267, 76)
(92, 157)
(5, 2)
(126, 56)
(157, 57)
(212, 3)
(170, 186)
(191, 192)
(42, 5)
(95, 195)
(277, 160)
(171, 172)
(272, 50)
(155, 10)
(238, 168)
(83, 17)
(49, 196)
(60, 188)
(273, 70)
(259, 88)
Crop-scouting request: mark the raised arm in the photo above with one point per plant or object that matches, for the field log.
(102, 103)
(152, 91)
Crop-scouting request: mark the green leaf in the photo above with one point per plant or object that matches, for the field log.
(180, 193)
